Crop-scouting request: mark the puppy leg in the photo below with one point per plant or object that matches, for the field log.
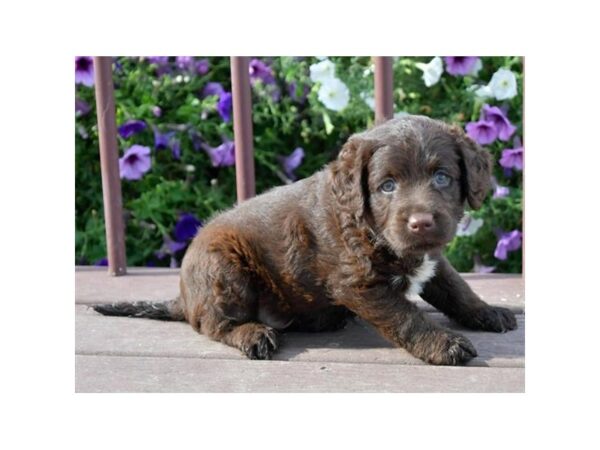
(402, 323)
(449, 293)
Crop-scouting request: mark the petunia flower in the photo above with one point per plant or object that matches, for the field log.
(468, 225)
(135, 162)
(483, 131)
(158, 60)
(170, 248)
(259, 71)
(334, 94)
(432, 71)
(503, 84)
(212, 88)
(512, 158)
(186, 227)
(292, 162)
(221, 156)
(508, 242)
(84, 70)
(224, 106)
(461, 65)
(501, 192)
(101, 262)
(322, 71)
(162, 141)
(202, 66)
(131, 127)
(498, 117)
(156, 111)
(184, 62)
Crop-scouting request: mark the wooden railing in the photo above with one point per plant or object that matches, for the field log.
(242, 126)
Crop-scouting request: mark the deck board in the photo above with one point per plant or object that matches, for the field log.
(151, 374)
(117, 354)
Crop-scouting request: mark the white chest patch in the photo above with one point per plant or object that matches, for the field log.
(422, 275)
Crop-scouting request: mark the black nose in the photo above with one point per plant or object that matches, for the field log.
(420, 222)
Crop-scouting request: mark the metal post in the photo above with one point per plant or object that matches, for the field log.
(109, 164)
(384, 88)
(242, 127)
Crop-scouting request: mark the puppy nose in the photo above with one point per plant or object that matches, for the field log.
(420, 222)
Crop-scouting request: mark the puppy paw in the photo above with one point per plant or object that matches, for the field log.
(449, 349)
(496, 319)
(261, 343)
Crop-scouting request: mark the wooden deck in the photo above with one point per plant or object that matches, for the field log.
(114, 354)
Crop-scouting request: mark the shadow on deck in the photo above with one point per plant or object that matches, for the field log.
(115, 354)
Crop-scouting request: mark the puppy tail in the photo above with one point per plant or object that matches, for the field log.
(169, 310)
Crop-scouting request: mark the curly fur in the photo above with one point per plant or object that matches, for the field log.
(308, 256)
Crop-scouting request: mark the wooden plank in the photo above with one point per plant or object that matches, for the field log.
(148, 374)
(158, 284)
(384, 88)
(357, 343)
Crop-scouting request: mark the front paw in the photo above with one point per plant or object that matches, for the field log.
(493, 318)
(445, 348)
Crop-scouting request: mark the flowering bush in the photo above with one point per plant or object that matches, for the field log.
(175, 132)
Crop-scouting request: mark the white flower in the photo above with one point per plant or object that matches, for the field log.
(401, 114)
(368, 99)
(432, 71)
(334, 94)
(503, 84)
(468, 226)
(482, 91)
(322, 71)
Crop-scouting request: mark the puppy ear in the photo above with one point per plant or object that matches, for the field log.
(349, 174)
(476, 167)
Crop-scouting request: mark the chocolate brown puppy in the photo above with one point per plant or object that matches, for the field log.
(360, 237)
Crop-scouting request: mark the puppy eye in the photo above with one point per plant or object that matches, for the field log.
(388, 186)
(441, 179)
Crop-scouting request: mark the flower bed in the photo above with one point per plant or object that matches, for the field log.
(175, 132)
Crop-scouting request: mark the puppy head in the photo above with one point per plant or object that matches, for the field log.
(408, 180)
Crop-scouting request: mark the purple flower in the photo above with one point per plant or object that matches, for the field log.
(131, 127)
(498, 118)
(260, 71)
(161, 63)
(202, 66)
(508, 242)
(156, 111)
(483, 132)
(184, 62)
(176, 148)
(158, 60)
(501, 192)
(186, 227)
(212, 88)
(84, 70)
(223, 155)
(460, 65)
(169, 247)
(81, 107)
(512, 158)
(135, 162)
(292, 162)
(224, 106)
(101, 262)
(162, 140)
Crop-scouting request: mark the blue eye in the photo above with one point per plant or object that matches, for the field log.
(388, 186)
(441, 179)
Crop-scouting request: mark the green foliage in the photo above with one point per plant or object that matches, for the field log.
(192, 185)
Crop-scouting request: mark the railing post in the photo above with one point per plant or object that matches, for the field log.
(384, 88)
(242, 127)
(109, 165)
